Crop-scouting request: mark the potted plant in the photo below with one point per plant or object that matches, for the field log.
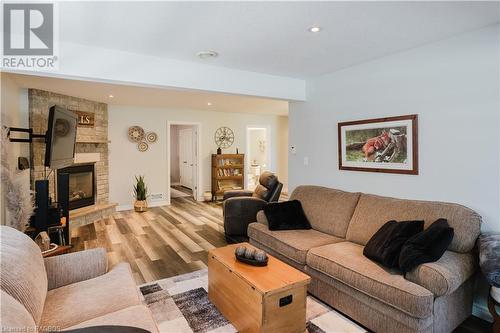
(141, 194)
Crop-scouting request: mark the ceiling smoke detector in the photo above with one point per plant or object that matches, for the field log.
(207, 54)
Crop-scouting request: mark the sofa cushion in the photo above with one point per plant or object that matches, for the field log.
(292, 244)
(135, 316)
(286, 215)
(385, 245)
(426, 246)
(328, 210)
(14, 316)
(373, 211)
(345, 262)
(23, 272)
(85, 300)
(445, 275)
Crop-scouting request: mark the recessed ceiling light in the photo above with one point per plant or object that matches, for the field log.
(209, 103)
(111, 96)
(207, 54)
(315, 29)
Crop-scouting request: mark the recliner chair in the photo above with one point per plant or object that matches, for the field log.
(240, 207)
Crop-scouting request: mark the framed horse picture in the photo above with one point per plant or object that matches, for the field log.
(379, 145)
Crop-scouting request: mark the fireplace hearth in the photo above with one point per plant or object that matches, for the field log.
(81, 185)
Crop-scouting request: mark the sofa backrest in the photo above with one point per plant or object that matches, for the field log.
(23, 274)
(373, 211)
(328, 210)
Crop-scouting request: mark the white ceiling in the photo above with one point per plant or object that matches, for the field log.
(153, 97)
(271, 37)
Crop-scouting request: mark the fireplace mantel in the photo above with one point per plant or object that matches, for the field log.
(87, 158)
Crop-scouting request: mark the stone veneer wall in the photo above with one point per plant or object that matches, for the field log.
(88, 139)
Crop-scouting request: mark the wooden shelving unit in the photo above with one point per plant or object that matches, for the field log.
(228, 171)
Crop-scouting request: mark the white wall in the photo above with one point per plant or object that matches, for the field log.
(283, 152)
(453, 86)
(255, 154)
(125, 160)
(14, 113)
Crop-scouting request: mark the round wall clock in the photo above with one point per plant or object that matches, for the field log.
(224, 137)
(151, 137)
(135, 133)
(142, 146)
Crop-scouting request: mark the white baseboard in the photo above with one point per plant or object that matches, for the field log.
(150, 204)
(124, 207)
(482, 312)
(158, 203)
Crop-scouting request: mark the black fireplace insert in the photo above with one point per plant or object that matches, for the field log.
(81, 185)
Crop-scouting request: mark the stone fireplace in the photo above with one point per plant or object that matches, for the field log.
(91, 154)
(81, 185)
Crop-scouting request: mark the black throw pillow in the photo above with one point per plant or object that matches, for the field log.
(287, 215)
(426, 246)
(385, 245)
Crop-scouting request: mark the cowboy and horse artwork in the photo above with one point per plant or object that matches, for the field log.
(381, 144)
(377, 145)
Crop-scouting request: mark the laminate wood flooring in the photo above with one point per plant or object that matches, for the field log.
(162, 242)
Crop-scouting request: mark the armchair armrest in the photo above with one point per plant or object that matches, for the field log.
(237, 193)
(239, 213)
(75, 267)
(445, 275)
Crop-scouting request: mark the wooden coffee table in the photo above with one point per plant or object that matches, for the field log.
(257, 299)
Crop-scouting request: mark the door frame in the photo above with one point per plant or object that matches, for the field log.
(268, 146)
(197, 178)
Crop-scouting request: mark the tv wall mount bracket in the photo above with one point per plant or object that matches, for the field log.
(25, 130)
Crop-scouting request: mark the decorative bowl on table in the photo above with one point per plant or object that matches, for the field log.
(251, 256)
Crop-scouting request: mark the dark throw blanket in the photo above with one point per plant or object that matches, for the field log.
(489, 257)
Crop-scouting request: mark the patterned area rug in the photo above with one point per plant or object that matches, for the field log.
(180, 305)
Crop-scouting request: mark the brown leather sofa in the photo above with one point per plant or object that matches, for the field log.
(64, 292)
(434, 297)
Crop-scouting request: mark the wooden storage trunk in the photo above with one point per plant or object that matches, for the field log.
(257, 299)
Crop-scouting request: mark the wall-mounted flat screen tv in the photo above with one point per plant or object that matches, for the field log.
(61, 138)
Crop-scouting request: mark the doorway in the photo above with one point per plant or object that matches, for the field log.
(258, 154)
(183, 160)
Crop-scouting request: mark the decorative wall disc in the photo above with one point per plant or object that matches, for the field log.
(142, 146)
(135, 133)
(151, 137)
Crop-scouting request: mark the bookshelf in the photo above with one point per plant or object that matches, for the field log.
(227, 173)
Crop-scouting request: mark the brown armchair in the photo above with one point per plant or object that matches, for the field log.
(240, 207)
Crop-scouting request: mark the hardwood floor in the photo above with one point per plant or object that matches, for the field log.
(160, 243)
(172, 240)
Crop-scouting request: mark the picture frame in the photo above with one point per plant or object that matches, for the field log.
(388, 145)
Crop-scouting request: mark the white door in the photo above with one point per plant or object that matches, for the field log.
(186, 157)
